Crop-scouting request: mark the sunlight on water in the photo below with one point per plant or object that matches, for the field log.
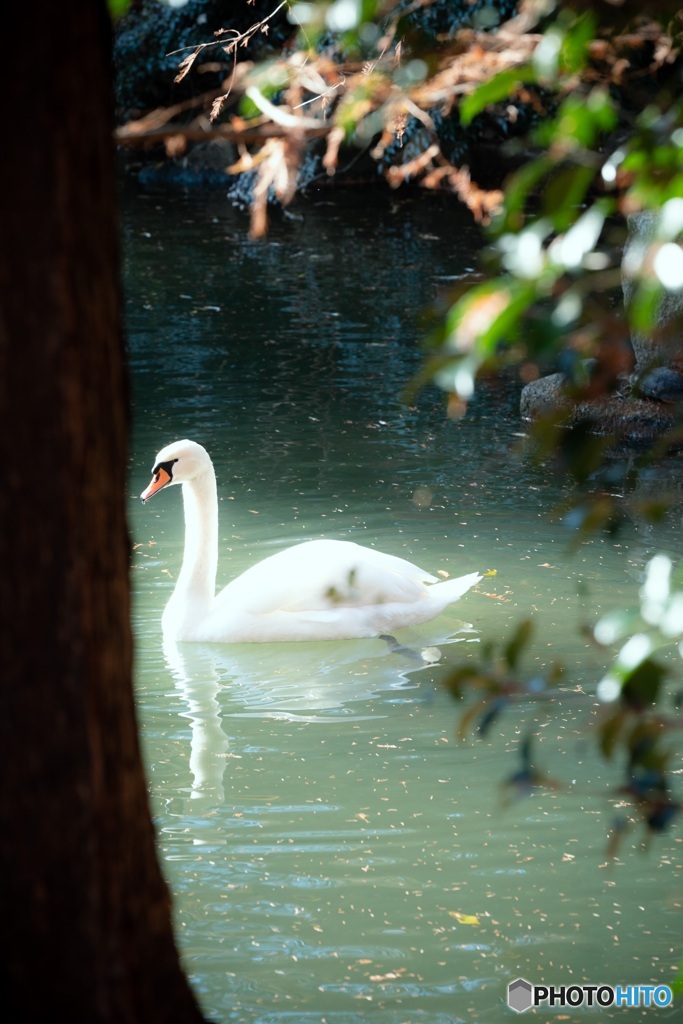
(336, 853)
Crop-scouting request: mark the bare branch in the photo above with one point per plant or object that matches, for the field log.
(278, 114)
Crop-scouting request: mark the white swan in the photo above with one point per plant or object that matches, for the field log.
(317, 590)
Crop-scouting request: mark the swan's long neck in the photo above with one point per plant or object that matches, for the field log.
(196, 584)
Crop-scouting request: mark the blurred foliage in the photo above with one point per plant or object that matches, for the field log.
(554, 264)
(550, 297)
(637, 721)
(118, 7)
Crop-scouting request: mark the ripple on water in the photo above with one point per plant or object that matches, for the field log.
(274, 947)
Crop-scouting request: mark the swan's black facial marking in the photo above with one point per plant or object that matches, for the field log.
(162, 476)
(166, 466)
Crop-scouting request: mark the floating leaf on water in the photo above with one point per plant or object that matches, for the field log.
(464, 918)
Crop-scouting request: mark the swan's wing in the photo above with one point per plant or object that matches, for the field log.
(323, 575)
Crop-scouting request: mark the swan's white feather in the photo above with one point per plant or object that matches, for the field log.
(321, 573)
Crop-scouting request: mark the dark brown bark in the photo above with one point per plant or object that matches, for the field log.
(86, 932)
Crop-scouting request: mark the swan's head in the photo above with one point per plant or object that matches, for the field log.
(175, 464)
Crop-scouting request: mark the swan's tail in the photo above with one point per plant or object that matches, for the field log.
(450, 590)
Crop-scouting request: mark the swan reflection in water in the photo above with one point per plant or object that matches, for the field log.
(328, 682)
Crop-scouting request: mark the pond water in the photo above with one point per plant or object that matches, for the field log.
(336, 852)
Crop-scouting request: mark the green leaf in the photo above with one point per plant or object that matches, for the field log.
(574, 51)
(579, 122)
(515, 647)
(248, 109)
(643, 684)
(677, 983)
(647, 756)
(518, 191)
(498, 88)
(600, 105)
(456, 681)
(609, 733)
(117, 8)
(503, 329)
(642, 310)
(487, 317)
(565, 192)
(615, 626)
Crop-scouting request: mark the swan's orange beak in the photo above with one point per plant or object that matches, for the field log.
(159, 480)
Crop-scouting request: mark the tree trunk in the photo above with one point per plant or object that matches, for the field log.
(86, 928)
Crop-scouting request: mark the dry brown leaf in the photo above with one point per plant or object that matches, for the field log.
(217, 107)
(397, 175)
(175, 145)
(258, 227)
(186, 64)
(334, 141)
